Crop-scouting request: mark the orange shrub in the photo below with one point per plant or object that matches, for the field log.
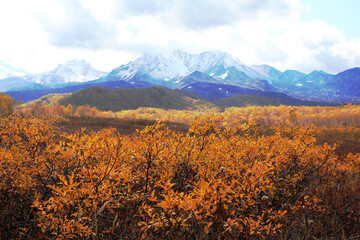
(216, 181)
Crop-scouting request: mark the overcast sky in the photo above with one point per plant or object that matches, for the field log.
(287, 34)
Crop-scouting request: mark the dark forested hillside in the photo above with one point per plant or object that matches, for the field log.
(121, 99)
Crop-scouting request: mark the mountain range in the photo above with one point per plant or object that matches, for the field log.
(213, 75)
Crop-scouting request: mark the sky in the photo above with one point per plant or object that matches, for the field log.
(304, 35)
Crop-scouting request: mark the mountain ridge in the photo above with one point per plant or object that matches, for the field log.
(179, 64)
(161, 97)
(124, 99)
(179, 70)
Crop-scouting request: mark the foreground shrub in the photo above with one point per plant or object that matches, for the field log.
(212, 182)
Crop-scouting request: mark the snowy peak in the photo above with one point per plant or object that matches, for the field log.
(81, 68)
(74, 64)
(7, 70)
(72, 71)
(179, 64)
(157, 66)
(204, 61)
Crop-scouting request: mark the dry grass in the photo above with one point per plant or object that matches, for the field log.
(123, 126)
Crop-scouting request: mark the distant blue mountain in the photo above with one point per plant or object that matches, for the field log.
(347, 82)
(289, 79)
(218, 91)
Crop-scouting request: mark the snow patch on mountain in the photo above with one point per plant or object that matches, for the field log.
(224, 75)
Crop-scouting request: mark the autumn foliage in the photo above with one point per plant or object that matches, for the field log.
(218, 181)
(6, 103)
(328, 116)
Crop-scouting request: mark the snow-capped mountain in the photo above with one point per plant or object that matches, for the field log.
(72, 71)
(69, 72)
(180, 64)
(7, 70)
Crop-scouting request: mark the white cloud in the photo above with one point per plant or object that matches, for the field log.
(108, 33)
(73, 25)
(203, 14)
(317, 45)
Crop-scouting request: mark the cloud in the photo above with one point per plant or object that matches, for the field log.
(203, 14)
(317, 45)
(72, 25)
(113, 32)
(141, 7)
(339, 57)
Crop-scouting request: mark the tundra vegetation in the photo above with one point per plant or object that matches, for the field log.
(242, 173)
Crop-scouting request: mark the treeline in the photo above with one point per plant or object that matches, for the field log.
(345, 115)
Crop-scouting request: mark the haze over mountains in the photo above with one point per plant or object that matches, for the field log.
(213, 75)
(7, 70)
(67, 73)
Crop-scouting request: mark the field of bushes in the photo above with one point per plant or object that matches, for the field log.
(243, 173)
